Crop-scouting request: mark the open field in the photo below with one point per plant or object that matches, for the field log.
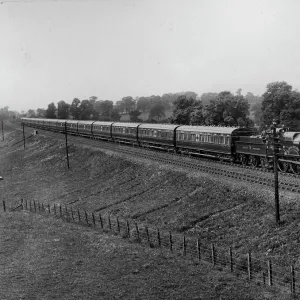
(216, 210)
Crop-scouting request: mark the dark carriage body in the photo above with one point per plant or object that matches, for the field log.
(209, 140)
(85, 128)
(126, 132)
(157, 135)
(102, 129)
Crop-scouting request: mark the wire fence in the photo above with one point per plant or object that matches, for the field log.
(248, 266)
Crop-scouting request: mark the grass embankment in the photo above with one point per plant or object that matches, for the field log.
(46, 258)
(220, 212)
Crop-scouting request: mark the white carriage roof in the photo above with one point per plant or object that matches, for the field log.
(103, 123)
(158, 126)
(72, 121)
(121, 124)
(208, 129)
(85, 122)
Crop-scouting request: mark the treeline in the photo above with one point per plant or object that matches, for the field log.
(279, 103)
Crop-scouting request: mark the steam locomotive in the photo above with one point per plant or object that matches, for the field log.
(234, 144)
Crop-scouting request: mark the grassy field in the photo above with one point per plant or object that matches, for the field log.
(45, 258)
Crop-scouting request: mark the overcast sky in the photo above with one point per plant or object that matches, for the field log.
(58, 50)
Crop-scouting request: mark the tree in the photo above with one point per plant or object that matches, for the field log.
(63, 110)
(4, 113)
(143, 104)
(51, 111)
(239, 92)
(129, 104)
(134, 116)
(31, 113)
(157, 112)
(40, 113)
(114, 115)
(226, 109)
(75, 109)
(183, 108)
(86, 110)
(257, 113)
(275, 100)
(207, 97)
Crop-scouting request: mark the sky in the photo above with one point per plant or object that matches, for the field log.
(52, 50)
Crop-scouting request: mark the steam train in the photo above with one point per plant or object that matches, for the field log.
(234, 144)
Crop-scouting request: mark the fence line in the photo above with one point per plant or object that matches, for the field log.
(253, 269)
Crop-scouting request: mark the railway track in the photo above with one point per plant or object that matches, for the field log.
(257, 176)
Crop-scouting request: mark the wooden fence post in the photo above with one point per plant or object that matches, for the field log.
(184, 246)
(86, 217)
(78, 213)
(34, 205)
(4, 206)
(137, 232)
(109, 222)
(198, 250)
(230, 259)
(118, 225)
(171, 241)
(158, 238)
(49, 209)
(60, 210)
(72, 213)
(147, 235)
(270, 274)
(26, 206)
(213, 257)
(29, 204)
(101, 222)
(54, 208)
(94, 221)
(128, 229)
(43, 208)
(293, 280)
(264, 278)
(249, 265)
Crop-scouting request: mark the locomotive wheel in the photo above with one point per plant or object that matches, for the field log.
(295, 168)
(244, 160)
(283, 166)
(254, 161)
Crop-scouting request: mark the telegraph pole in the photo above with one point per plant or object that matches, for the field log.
(275, 152)
(2, 131)
(23, 135)
(67, 145)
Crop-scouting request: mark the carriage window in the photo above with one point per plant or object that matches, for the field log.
(197, 137)
(158, 133)
(182, 136)
(227, 140)
(221, 139)
(155, 133)
(193, 137)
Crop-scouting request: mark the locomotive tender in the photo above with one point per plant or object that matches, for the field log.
(235, 144)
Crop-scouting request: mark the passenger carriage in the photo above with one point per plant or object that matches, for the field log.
(85, 128)
(157, 135)
(211, 141)
(72, 126)
(102, 130)
(126, 132)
